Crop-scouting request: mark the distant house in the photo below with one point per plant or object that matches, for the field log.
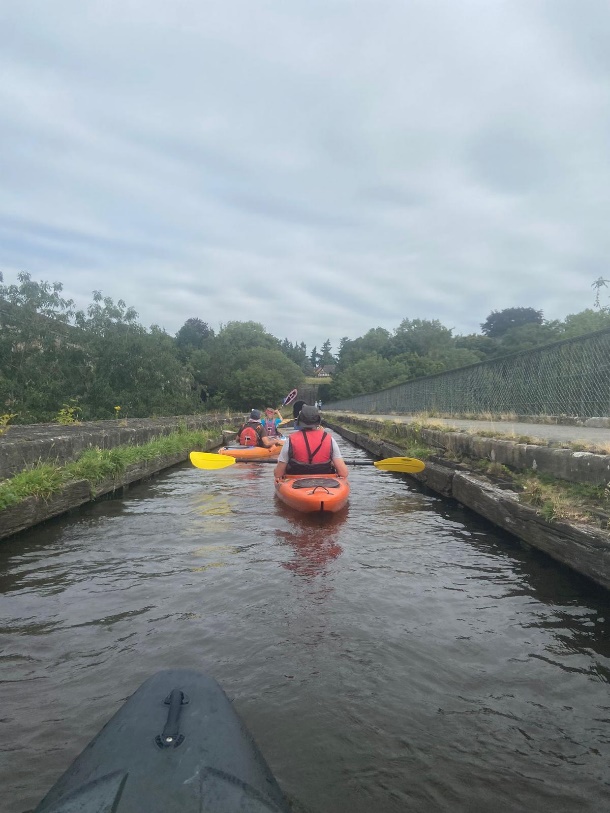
(326, 371)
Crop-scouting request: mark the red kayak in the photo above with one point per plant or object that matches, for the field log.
(313, 492)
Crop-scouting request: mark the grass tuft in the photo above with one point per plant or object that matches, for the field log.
(95, 465)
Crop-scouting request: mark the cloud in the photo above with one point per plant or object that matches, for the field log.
(323, 169)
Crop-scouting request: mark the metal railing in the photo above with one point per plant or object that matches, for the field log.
(570, 377)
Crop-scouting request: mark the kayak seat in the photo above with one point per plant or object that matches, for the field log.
(316, 482)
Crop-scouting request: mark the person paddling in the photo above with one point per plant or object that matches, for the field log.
(271, 423)
(310, 451)
(253, 433)
(296, 408)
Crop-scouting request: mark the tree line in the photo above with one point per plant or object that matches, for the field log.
(100, 363)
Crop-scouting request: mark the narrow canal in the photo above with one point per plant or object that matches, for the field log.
(402, 656)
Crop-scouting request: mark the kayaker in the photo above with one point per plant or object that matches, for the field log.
(296, 408)
(253, 433)
(310, 451)
(271, 423)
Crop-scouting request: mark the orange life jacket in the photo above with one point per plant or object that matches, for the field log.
(310, 452)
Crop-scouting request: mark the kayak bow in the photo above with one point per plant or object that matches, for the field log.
(175, 745)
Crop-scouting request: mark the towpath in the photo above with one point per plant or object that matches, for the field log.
(592, 436)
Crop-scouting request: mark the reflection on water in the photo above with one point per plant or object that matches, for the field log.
(313, 539)
(400, 655)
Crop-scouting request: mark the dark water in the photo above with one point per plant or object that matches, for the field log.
(401, 656)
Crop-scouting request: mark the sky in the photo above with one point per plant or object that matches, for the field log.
(322, 167)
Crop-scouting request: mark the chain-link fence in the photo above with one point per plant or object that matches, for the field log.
(571, 378)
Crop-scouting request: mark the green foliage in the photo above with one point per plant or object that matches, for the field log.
(599, 283)
(5, 420)
(95, 465)
(297, 353)
(68, 414)
(52, 358)
(259, 377)
(498, 322)
(368, 374)
(193, 336)
(528, 336)
(326, 356)
(420, 337)
(587, 321)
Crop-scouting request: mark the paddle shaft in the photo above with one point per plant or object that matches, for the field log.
(404, 465)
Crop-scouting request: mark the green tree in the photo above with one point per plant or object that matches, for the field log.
(499, 322)
(482, 346)
(369, 374)
(139, 371)
(326, 356)
(193, 335)
(298, 354)
(224, 350)
(376, 340)
(41, 355)
(587, 321)
(260, 377)
(420, 336)
(528, 336)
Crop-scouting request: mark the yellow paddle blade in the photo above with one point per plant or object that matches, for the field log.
(207, 460)
(407, 465)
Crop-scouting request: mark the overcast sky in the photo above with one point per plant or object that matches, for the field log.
(323, 167)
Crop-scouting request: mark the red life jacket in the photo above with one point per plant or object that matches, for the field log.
(310, 452)
(248, 436)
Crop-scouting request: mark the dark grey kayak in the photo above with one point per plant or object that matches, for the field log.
(176, 745)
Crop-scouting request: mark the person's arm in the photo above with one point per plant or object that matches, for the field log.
(280, 467)
(340, 467)
(338, 462)
(280, 470)
(266, 440)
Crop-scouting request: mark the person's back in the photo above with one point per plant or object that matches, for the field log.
(252, 433)
(310, 451)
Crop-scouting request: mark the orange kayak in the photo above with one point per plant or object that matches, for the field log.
(252, 452)
(313, 492)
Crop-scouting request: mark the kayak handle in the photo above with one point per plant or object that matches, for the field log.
(171, 737)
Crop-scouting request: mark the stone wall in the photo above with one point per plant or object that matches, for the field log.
(583, 548)
(23, 446)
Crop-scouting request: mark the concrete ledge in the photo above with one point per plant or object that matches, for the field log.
(23, 446)
(34, 510)
(574, 467)
(584, 549)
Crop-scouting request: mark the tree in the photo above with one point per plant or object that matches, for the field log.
(314, 356)
(369, 374)
(326, 357)
(259, 377)
(599, 283)
(499, 322)
(376, 340)
(298, 354)
(587, 321)
(481, 346)
(128, 366)
(193, 335)
(41, 354)
(419, 336)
